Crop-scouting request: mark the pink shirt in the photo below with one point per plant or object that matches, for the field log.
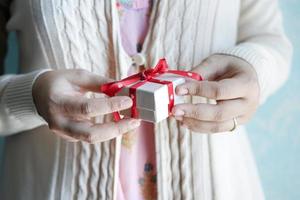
(137, 177)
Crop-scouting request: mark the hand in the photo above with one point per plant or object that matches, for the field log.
(229, 80)
(59, 99)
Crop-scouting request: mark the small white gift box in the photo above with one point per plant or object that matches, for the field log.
(152, 98)
(152, 91)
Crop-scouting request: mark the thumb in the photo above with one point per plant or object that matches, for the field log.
(87, 80)
(211, 67)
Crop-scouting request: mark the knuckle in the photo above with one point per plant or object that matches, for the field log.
(61, 105)
(187, 123)
(64, 107)
(85, 108)
(198, 89)
(69, 131)
(218, 115)
(192, 89)
(218, 92)
(89, 138)
(83, 136)
(197, 113)
(215, 128)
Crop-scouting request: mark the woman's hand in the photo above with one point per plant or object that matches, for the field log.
(59, 99)
(232, 82)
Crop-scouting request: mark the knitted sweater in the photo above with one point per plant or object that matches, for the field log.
(60, 34)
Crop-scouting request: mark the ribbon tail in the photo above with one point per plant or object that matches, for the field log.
(117, 116)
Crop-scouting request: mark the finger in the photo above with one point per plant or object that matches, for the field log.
(211, 127)
(223, 110)
(87, 80)
(64, 136)
(94, 106)
(218, 90)
(211, 67)
(94, 133)
(107, 131)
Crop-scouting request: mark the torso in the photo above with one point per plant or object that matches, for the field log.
(84, 34)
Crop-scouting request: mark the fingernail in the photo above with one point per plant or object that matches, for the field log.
(178, 113)
(135, 123)
(184, 125)
(182, 91)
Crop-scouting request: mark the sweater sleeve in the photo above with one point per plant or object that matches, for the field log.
(17, 109)
(263, 44)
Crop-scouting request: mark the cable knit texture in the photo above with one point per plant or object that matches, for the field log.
(23, 110)
(85, 34)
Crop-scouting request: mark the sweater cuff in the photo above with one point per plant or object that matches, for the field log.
(18, 98)
(257, 58)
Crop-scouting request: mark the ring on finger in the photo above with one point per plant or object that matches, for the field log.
(235, 124)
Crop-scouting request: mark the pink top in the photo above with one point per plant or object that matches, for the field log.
(137, 178)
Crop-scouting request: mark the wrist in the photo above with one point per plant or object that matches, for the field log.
(18, 99)
(37, 88)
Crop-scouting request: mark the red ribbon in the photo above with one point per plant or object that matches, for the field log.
(143, 77)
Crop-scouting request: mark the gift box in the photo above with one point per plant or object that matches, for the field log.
(152, 91)
(152, 98)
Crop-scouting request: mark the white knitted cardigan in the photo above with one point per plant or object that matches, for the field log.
(85, 34)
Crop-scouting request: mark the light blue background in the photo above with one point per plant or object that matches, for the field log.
(275, 130)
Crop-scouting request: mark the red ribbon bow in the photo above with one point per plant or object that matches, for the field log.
(143, 77)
